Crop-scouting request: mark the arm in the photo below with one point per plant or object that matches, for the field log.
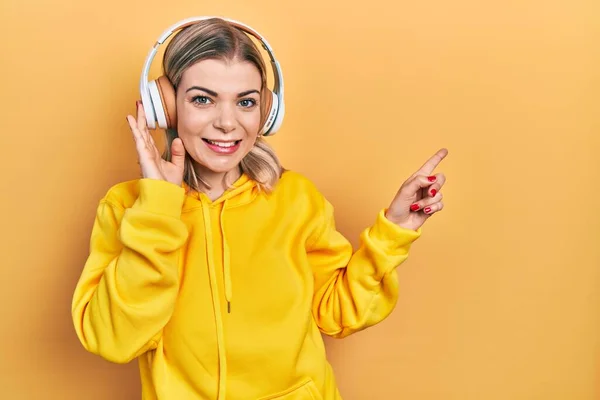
(129, 284)
(355, 291)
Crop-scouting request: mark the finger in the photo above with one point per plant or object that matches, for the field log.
(143, 128)
(414, 185)
(178, 153)
(142, 145)
(434, 208)
(432, 163)
(133, 127)
(427, 202)
(141, 121)
(150, 139)
(440, 179)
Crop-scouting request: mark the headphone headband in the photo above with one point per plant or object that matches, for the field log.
(274, 119)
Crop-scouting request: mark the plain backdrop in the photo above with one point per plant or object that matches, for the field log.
(500, 298)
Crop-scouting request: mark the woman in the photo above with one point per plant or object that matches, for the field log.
(218, 270)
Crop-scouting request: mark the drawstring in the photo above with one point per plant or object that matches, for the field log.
(226, 268)
(244, 187)
(215, 298)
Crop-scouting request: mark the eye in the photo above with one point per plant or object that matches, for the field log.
(200, 100)
(248, 103)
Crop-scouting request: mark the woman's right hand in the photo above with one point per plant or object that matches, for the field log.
(152, 164)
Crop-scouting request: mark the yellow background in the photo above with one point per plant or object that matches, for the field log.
(501, 295)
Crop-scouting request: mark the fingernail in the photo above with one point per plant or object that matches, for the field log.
(427, 210)
(414, 207)
(433, 192)
(431, 178)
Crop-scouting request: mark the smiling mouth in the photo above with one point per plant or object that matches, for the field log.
(224, 145)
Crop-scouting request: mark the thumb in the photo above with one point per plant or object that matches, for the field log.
(178, 153)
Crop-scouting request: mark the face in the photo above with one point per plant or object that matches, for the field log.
(218, 113)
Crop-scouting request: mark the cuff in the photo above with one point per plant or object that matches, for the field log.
(391, 237)
(160, 197)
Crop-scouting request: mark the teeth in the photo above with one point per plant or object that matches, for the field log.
(222, 144)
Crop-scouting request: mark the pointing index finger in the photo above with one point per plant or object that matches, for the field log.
(432, 163)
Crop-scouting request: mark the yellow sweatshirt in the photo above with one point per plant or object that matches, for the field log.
(227, 299)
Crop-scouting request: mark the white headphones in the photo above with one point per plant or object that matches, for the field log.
(158, 96)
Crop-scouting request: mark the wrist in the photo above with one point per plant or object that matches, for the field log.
(401, 222)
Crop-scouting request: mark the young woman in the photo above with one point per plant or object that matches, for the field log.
(218, 269)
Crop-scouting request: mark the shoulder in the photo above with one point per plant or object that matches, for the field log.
(297, 184)
(293, 179)
(306, 202)
(298, 194)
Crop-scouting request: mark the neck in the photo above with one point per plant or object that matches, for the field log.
(218, 182)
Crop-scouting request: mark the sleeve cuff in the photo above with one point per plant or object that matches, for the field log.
(390, 236)
(160, 197)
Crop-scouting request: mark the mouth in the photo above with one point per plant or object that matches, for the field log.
(222, 147)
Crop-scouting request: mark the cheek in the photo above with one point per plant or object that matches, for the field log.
(192, 123)
(251, 122)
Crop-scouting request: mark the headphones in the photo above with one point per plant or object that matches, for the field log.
(158, 96)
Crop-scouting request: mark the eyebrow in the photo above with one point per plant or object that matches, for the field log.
(215, 94)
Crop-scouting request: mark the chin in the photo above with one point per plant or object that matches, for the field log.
(218, 166)
(223, 168)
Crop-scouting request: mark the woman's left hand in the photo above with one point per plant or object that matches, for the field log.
(420, 196)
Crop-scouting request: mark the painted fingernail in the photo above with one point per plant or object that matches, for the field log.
(414, 207)
(433, 192)
(431, 178)
(427, 210)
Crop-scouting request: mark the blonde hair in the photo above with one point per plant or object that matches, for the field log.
(216, 39)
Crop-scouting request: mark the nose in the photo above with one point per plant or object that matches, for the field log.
(225, 119)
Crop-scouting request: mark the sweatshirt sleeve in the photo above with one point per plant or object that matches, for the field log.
(356, 290)
(129, 283)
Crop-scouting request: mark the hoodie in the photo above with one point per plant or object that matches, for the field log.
(227, 299)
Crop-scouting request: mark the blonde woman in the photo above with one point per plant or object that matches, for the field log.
(218, 270)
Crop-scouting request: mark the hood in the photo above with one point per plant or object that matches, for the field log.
(241, 192)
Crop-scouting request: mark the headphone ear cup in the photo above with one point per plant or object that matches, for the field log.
(278, 118)
(162, 95)
(270, 107)
(168, 100)
(156, 104)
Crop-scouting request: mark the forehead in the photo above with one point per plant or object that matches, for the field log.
(222, 76)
